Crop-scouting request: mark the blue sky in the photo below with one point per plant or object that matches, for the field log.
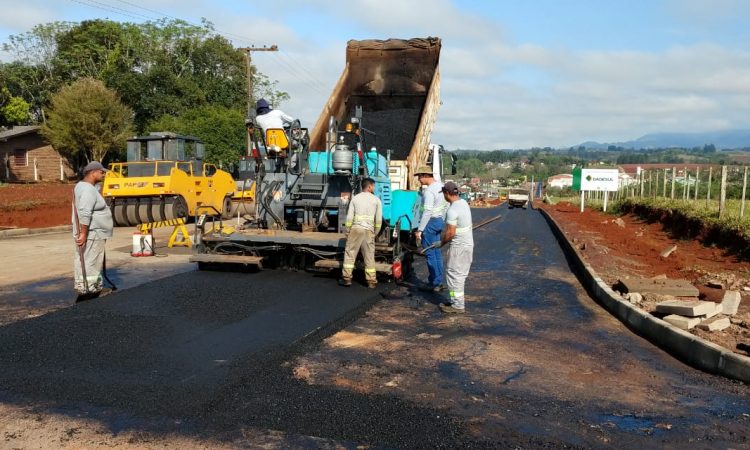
(514, 74)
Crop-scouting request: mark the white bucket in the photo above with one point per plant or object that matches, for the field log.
(143, 245)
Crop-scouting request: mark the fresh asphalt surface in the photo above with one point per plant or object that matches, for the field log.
(203, 353)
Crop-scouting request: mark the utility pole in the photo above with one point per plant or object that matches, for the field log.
(248, 68)
(249, 74)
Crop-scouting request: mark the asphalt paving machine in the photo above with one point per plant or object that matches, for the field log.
(377, 123)
(301, 201)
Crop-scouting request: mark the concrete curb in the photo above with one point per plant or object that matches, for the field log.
(18, 232)
(686, 347)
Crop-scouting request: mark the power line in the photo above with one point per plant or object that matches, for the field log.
(288, 63)
(112, 9)
(287, 67)
(305, 71)
(245, 39)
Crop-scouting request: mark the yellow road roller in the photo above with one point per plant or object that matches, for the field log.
(165, 178)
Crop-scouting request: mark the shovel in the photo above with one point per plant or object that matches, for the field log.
(419, 251)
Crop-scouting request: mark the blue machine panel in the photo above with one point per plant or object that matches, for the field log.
(396, 204)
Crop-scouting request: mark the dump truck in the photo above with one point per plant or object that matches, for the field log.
(518, 198)
(377, 124)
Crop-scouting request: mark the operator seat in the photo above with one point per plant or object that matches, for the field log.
(277, 143)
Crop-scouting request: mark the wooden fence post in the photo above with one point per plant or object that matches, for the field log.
(684, 183)
(723, 192)
(708, 191)
(674, 175)
(697, 177)
(665, 184)
(744, 188)
(643, 172)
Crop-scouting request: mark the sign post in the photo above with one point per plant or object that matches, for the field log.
(599, 180)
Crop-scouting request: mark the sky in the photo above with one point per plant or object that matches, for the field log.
(514, 74)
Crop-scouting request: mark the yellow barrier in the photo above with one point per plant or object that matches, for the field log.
(179, 229)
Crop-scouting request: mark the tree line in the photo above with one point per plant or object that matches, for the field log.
(541, 163)
(165, 75)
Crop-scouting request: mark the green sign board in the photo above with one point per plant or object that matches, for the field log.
(577, 179)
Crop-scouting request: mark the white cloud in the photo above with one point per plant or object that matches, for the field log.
(497, 92)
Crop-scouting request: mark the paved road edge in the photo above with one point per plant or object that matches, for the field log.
(18, 232)
(686, 347)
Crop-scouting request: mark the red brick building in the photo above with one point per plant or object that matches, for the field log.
(26, 157)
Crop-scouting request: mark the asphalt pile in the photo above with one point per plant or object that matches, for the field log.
(395, 129)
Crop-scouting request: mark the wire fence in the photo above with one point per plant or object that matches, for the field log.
(716, 190)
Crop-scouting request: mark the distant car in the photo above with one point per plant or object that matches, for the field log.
(518, 197)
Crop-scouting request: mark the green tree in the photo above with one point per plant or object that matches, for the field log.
(471, 167)
(167, 67)
(97, 49)
(87, 120)
(32, 73)
(218, 127)
(13, 110)
(263, 87)
(180, 67)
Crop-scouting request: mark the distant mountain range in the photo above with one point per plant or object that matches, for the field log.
(728, 139)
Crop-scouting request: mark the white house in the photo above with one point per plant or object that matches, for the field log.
(560, 181)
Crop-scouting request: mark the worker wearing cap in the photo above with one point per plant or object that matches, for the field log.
(458, 232)
(92, 226)
(268, 118)
(363, 220)
(430, 226)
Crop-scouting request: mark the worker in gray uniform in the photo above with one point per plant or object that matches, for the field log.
(457, 232)
(92, 226)
(363, 220)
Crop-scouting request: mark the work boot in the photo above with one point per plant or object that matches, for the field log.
(84, 297)
(345, 283)
(449, 309)
(104, 292)
(432, 288)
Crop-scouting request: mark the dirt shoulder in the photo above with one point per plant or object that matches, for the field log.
(628, 246)
(35, 205)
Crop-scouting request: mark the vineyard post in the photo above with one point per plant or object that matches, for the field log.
(674, 175)
(697, 178)
(723, 192)
(708, 191)
(665, 184)
(744, 188)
